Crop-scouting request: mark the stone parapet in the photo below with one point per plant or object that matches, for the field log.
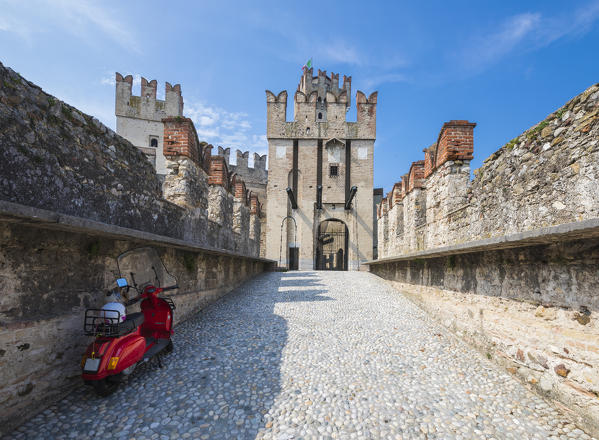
(42, 311)
(522, 186)
(79, 194)
(509, 304)
(513, 249)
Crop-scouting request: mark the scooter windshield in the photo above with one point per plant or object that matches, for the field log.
(143, 266)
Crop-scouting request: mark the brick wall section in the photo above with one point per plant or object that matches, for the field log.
(454, 146)
(207, 157)
(416, 175)
(396, 194)
(429, 160)
(404, 185)
(254, 204)
(218, 173)
(239, 190)
(456, 142)
(180, 139)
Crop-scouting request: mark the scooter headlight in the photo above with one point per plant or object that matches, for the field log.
(112, 363)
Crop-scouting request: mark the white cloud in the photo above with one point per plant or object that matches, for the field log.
(12, 23)
(526, 32)
(488, 49)
(227, 129)
(206, 120)
(259, 141)
(340, 52)
(376, 80)
(84, 13)
(81, 18)
(575, 24)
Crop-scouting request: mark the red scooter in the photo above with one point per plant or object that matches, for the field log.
(122, 343)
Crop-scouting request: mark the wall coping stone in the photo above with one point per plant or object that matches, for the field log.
(30, 216)
(551, 234)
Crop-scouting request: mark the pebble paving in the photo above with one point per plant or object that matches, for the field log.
(310, 355)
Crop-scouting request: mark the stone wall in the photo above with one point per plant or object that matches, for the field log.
(532, 309)
(509, 260)
(255, 179)
(50, 277)
(73, 196)
(546, 176)
(54, 157)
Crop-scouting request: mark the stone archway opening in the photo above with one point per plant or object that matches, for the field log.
(331, 245)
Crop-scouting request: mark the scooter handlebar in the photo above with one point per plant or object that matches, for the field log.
(133, 301)
(170, 288)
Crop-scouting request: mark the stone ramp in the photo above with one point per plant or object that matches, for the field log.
(311, 355)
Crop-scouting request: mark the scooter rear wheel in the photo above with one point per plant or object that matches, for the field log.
(105, 387)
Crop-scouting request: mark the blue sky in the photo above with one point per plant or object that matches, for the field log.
(505, 65)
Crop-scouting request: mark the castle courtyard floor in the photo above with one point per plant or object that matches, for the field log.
(311, 355)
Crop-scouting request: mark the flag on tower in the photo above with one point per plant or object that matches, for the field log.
(308, 65)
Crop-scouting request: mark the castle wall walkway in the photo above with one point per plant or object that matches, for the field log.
(311, 355)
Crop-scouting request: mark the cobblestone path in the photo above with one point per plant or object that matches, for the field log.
(311, 355)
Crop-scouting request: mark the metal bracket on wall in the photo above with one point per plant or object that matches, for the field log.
(291, 198)
(350, 198)
(319, 197)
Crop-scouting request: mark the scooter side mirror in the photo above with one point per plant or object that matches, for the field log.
(122, 282)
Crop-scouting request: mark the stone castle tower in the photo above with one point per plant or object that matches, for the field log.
(139, 118)
(320, 178)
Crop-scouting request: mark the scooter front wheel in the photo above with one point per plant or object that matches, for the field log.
(105, 387)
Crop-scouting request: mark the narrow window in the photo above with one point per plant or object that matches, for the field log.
(319, 115)
(334, 171)
(154, 142)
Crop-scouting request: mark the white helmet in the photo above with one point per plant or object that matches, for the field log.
(114, 296)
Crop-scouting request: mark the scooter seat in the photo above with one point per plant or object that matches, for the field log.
(136, 318)
(131, 322)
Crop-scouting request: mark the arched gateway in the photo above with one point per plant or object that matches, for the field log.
(331, 245)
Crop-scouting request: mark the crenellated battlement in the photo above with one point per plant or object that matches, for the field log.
(323, 85)
(243, 160)
(442, 179)
(146, 106)
(454, 144)
(320, 108)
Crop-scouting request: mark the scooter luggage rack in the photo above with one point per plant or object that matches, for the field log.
(97, 323)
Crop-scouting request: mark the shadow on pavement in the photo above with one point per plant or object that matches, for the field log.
(222, 377)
